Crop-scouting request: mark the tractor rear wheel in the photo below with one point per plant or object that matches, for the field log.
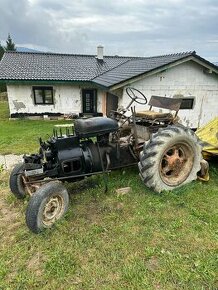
(170, 159)
(47, 205)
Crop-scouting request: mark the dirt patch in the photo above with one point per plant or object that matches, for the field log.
(10, 213)
(8, 161)
(35, 264)
(9, 221)
(153, 264)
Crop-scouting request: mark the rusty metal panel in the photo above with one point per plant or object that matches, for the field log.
(142, 132)
(165, 103)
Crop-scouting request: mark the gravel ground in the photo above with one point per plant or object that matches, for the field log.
(8, 161)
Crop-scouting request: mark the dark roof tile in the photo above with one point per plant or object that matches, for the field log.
(135, 67)
(72, 67)
(48, 66)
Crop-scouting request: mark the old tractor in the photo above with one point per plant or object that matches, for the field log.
(168, 155)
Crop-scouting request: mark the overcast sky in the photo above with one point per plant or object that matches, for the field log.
(123, 27)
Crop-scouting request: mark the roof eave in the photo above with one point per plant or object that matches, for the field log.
(41, 82)
(208, 65)
(54, 82)
(104, 88)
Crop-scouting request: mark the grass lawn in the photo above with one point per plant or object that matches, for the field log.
(21, 136)
(139, 240)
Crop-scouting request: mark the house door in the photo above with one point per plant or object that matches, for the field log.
(89, 101)
(112, 103)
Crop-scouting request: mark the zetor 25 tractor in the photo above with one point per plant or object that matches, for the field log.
(168, 155)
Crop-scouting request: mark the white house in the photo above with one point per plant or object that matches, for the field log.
(53, 84)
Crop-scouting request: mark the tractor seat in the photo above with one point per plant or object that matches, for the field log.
(172, 104)
(151, 115)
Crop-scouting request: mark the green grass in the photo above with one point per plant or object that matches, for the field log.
(21, 136)
(136, 241)
(139, 240)
(4, 110)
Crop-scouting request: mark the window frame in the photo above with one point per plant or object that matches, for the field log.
(43, 89)
(186, 107)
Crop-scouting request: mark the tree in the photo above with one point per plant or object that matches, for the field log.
(2, 50)
(2, 86)
(10, 45)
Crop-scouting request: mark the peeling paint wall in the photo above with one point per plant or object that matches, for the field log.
(67, 100)
(185, 80)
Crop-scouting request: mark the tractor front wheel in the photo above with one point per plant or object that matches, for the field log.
(16, 181)
(170, 159)
(47, 205)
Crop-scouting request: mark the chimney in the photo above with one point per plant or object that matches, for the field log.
(100, 49)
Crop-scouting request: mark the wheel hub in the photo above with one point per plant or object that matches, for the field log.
(53, 210)
(176, 164)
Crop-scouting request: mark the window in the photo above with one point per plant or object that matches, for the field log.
(43, 95)
(187, 104)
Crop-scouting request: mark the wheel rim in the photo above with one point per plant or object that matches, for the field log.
(176, 164)
(53, 210)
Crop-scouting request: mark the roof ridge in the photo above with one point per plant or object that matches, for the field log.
(93, 55)
(174, 54)
(68, 54)
(48, 53)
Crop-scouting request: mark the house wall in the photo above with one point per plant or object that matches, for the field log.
(185, 80)
(67, 100)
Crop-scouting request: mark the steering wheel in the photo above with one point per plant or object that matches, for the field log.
(136, 96)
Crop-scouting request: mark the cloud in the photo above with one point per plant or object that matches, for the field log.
(124, 27)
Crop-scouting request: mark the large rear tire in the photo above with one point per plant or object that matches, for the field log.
(16, 182)
(47, 205)
(170, 159)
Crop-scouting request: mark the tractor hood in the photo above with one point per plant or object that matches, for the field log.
(95, 126)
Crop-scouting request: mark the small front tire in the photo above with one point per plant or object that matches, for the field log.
(16, 182)
(47, 205)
